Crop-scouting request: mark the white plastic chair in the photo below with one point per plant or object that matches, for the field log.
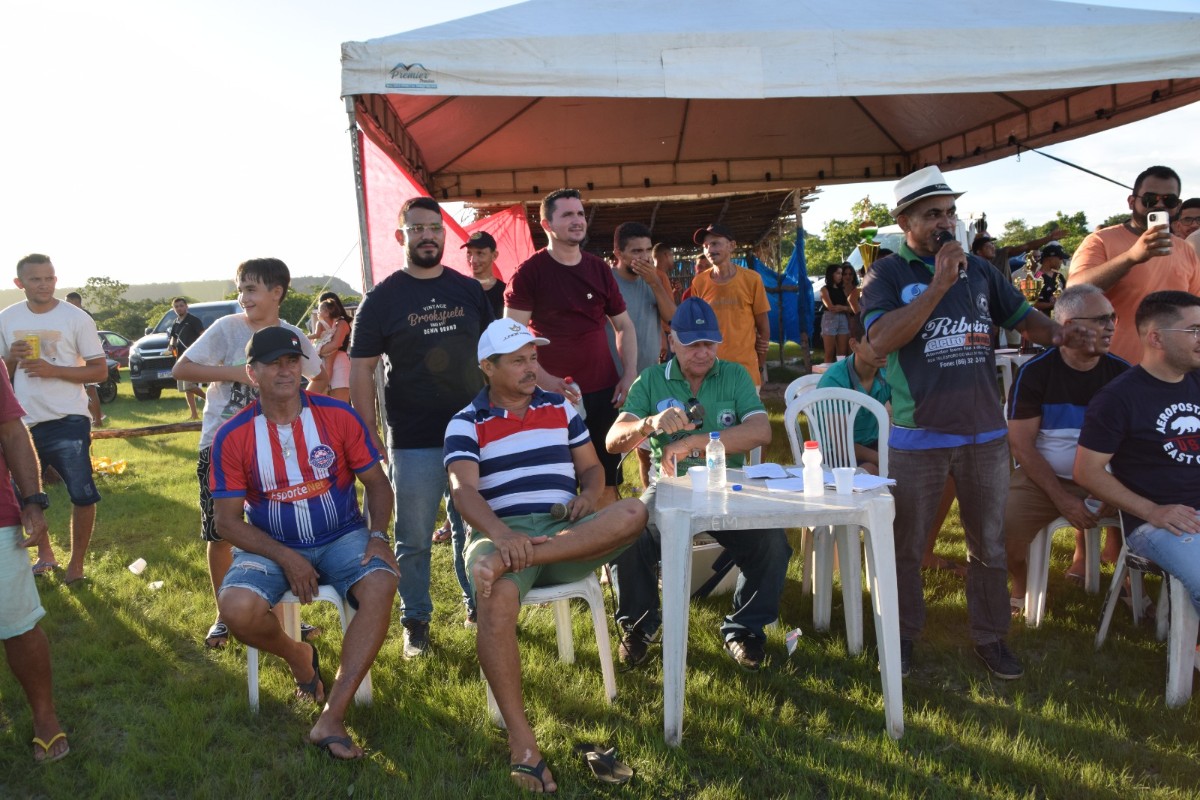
(1177, 621)
(831, 413)
(1038, 563)
(290, 605)
(588, 590)
(799, 386)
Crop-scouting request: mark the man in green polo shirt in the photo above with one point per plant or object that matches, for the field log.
(657, 407)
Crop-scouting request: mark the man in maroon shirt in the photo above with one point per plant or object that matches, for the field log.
(25, 644)
(569, 297)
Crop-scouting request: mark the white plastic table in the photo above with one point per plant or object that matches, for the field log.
(680, 514)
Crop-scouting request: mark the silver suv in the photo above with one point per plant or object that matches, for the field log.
(150, 362)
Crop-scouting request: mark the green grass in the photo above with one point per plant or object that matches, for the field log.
(150, 713)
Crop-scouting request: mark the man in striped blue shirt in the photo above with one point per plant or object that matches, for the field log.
(517, 456)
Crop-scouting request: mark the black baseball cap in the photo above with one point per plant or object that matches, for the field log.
(1054, 250)
(716, 229)
(271, 344)
(480, 239)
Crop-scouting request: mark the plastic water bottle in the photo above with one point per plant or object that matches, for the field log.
(715, 455)
(570, 385)
(814, 476)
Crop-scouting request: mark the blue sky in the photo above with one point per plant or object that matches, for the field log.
(147, 141)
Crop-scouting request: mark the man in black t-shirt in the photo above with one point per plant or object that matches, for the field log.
(481, 255)
(425, 321)
(1045, 411)
(1145, 425)
(186, 329)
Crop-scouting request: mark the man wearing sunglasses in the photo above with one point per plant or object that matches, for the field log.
(1131, 260)
(1186, 220)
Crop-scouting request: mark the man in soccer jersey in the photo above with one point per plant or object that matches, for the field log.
(282, 478)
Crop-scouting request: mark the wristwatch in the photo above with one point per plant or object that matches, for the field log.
(381, 536)
(40, 499)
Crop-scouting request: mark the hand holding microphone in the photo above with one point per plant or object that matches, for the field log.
(944, 238)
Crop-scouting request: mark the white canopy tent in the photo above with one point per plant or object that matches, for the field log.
(647, 99)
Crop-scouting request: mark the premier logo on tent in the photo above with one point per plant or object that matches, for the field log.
(413, 76)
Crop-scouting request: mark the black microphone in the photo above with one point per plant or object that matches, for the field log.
(695, 414)
(946, 236)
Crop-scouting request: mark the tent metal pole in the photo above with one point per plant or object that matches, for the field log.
(364, 242)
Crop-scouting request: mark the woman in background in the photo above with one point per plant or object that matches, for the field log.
(835, 322)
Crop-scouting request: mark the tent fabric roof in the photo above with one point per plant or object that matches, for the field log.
(653, 99)
(751, 217)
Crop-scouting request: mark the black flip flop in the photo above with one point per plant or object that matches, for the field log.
(344, 741)
(604, 764)
(537, 772)
(310, 688)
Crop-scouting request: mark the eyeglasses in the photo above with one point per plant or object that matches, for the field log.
(435, 228)
(1151, 199)
(1195, 332)
(1191, 222)
(1103, 319)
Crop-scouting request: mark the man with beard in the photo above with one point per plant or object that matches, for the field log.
(425, 320)
(1131, 260)
(570, 297)
(481, 255)
(931, 308)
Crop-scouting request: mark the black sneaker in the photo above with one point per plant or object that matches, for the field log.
(634, 647)
(1000, 660)
(906, 657)
(416, 638)
(747, 652)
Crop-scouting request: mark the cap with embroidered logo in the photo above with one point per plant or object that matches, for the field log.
(271, 344)
(695, 321)
(506, 336)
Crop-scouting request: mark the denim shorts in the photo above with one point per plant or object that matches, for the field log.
(834, 324)
(338, 564)
(65, 444)
(20, 606)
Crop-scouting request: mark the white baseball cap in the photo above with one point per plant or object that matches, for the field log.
(506, 336)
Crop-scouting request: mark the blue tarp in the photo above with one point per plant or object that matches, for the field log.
(797, 305)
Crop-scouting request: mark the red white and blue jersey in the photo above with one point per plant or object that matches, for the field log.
(298, 480)
(525, 465)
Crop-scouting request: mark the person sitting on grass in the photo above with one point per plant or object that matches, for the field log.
(25, 645)
(515, 457)
(289, 461)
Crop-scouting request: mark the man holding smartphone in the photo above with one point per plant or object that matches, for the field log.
(1133, 259)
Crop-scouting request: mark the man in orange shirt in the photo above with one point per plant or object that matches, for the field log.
(739, 299)
(1131, 260)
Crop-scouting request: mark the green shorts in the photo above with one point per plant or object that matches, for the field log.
(479, 546)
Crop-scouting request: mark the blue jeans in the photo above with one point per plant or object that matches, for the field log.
(338, 564)
(419, 480)
(762, 556)
(459, 531)
(65, 445)
(1178, 555)
(981, 479)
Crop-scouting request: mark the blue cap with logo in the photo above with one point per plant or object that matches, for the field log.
(695, 321)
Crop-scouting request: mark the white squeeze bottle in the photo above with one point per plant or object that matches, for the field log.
(570, 385)
(715, 455)
(814, 476)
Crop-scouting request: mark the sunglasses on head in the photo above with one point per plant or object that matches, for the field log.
(1151, 199)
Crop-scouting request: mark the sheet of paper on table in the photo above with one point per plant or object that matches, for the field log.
(767, 470)
(862, 481)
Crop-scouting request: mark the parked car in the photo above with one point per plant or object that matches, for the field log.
(107, 390)
(150, 362)
(115, 347)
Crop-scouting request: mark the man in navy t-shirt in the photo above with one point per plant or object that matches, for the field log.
(931, 308)
(1145, 425)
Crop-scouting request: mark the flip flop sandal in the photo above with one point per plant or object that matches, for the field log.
(217, 636)
(45, 747)
(442, 534)
(1074, 578)
(310, 688)
(344, 741)
(309, 632)
(538, 772)
(44, 568)
(604, 764)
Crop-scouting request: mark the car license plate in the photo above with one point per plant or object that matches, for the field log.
(164, 374)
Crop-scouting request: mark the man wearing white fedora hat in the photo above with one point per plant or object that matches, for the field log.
(931, 308)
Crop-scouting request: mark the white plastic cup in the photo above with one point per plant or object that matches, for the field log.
(699, 476)
(843, 479)
(138, 566)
